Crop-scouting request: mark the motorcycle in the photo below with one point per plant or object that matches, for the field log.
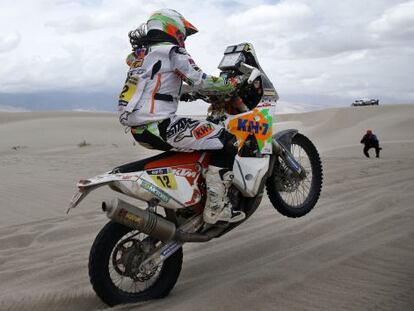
(138, 255)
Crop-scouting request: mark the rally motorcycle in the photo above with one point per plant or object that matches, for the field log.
(138, 255)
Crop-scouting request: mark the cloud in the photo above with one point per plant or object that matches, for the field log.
(320, 49)
(327, 43)
(396, 23)
(282, 17)
(89, 15)
(9, 42)
(77, 24)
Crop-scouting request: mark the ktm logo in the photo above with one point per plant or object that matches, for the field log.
(184, 172)
(203, 130)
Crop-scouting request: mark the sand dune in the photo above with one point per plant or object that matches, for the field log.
(355, 251)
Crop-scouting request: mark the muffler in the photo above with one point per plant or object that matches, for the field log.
(141, 220)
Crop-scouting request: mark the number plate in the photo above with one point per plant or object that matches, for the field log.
(163, 178)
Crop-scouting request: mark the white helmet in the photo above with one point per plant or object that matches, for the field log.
(169, 25)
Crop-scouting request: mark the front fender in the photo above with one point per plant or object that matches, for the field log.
(285, 137)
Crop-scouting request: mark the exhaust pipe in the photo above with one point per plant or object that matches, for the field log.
(149, 223)
(136, 218)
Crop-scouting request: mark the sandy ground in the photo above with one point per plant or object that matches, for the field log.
(355, 251)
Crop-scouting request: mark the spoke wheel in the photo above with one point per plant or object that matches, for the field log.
(292, 195)
(114, 261)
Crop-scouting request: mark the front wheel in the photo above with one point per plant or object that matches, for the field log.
(292, 195)
(113, 266)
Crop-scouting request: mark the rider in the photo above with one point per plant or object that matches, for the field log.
(148, 102)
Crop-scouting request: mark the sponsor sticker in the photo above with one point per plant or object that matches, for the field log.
(155, 191)
(135, 60)
(159, 171)
(129, 89)
(170, 249)
(129, 216)
(268, 92)
(252, 126)
(264, 104)
(181, 129)
(257, 122)
(186, 171)
(203, 130)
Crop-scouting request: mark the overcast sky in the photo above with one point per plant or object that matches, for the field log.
(318, 53)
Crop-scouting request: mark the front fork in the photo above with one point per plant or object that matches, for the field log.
(282, 142)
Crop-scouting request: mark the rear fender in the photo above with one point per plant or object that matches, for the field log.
(85, 186)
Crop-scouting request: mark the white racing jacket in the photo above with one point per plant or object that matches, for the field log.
(151, 90)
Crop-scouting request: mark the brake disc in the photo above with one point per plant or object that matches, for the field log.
(128, 256)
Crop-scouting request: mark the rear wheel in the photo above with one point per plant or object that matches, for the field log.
(291, 195)
(114, 259)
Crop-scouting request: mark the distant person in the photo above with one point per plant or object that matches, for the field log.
(370, 140)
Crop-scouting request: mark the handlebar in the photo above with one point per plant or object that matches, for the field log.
(249, 74)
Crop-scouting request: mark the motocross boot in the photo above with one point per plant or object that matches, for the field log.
(218, 206)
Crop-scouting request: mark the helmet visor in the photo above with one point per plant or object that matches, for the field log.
(190, 29)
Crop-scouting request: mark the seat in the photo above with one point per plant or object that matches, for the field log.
(165, 159)
(140, 164)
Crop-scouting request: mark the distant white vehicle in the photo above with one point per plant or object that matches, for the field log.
(365, 102)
